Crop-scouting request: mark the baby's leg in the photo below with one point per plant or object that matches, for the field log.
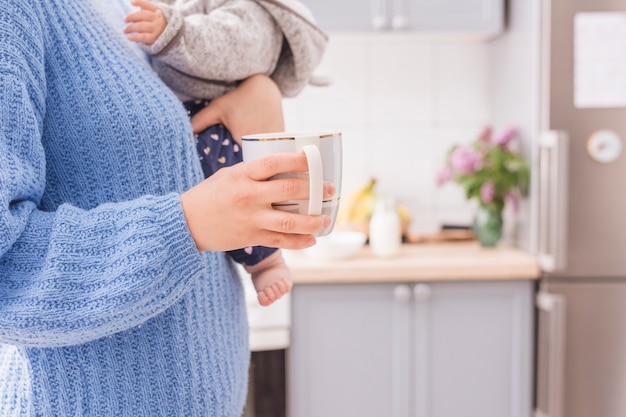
(271, 278)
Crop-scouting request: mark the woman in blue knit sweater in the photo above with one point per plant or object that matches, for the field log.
(112, 302)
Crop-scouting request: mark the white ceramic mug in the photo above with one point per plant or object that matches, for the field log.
(324, 156)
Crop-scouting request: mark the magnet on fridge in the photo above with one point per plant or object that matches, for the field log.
(604, 146)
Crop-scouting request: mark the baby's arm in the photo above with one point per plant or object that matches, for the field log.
(227, 43)
(255, 106)
(145, 25)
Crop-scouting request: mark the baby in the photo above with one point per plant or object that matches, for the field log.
(230, 62)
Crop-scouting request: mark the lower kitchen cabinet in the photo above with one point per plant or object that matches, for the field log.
(442, 349)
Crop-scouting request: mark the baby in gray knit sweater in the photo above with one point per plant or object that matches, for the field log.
(230, 62)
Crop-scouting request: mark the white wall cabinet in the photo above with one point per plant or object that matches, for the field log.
(444, 349)
(483, 18)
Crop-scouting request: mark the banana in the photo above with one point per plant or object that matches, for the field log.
(357, 211)
(359, 206)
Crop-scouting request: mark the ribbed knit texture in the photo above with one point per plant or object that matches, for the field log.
(106, 307)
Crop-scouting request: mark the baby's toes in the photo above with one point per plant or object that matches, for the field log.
(281, 287)
(267, 296)
(263, 300)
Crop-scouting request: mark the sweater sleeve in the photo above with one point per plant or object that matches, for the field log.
(230, 43)
(70, 276)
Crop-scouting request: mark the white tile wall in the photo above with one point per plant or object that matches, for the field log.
(400, 103)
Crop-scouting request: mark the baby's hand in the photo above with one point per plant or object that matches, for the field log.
(145, 25)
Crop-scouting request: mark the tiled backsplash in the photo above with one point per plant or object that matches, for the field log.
(400, 103)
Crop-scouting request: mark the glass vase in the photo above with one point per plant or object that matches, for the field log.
(488, 226)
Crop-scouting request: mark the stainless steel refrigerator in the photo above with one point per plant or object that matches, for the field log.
(581, 349)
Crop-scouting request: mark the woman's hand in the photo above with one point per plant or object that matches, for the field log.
(255, 106)
(233, 208)
(145, 25)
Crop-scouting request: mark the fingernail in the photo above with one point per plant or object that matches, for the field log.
(330, 188)
(310, 242)
(326, 221)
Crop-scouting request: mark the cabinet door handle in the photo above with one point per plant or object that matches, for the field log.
(399, 22)
(379, 22)
(402, 293)
(422, 292)
(379, 14)
(400, 14)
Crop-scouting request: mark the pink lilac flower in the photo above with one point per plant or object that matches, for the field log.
(464, 160)
(444, 175)
(485, 134)
(487, 192)
(505, 137)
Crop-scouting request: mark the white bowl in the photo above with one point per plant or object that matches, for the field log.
(337, 245)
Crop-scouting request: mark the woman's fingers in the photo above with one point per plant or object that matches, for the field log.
(280, 163)
(243, 214)
(288, 230)
(286, 241)
(329, 189)
(284, 222)
(283, 189)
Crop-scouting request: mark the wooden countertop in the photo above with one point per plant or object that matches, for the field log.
(460, 261)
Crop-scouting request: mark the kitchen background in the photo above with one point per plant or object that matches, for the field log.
(400, 103)
(402, 99)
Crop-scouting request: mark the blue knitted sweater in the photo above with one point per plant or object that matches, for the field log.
(106, 306)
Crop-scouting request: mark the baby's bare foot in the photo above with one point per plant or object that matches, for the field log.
(271, 278)
(274, 291)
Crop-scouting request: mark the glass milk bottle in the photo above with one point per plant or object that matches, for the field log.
(385, 229)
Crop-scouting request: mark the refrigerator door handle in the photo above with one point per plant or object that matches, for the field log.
(553, 200)
(550, 355)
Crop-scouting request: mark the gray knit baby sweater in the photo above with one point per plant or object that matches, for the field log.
(209, 46)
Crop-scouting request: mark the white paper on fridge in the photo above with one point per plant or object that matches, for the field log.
(600, 59)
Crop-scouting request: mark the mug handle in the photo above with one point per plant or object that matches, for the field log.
(316, 180)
